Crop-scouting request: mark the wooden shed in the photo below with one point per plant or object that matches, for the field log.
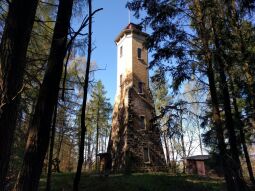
(104, 163)
(197, 164)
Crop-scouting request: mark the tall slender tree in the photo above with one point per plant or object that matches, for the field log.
(52, 140)
(13, 48)
(101, 108)
(240, 126)
(84, 102)
(39, 129)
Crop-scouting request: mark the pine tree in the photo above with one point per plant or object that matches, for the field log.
(39, 129)
(101, 109)
(13, 49)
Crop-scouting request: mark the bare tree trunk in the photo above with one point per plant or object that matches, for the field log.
(86, 152)
(102, 143)
(89, 152)
(173, 155)
(60, 141)
(13, 48)
(52, 140)
(97, 135)
(39, 131)
(167, 150)
(199, 136)
(182, 142)
(99, 144)
(172, 148)
(69, 158)
(105, 140)
(83, 117)
(92, 154)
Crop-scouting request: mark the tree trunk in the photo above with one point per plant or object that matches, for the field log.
(52, 140)
(219, 131)
(105, 140)
(230, 173)
(86, 152)
(97, 135)
(199, 136)
(167, 150)
(13, 50)
(183, 144)
(60, 141)
(89, 152)
(39, 131)
(102, 143)
(229, 124)
(172, 148)
(240, 126)
(173, 162)
(83, 117)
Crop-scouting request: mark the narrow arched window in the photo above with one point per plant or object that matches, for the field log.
(143, 122)
(139, 53)
(120, 79)
(146, 155)
(140, 87)
(121, 51)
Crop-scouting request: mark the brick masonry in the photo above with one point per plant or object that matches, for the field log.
(135, 143)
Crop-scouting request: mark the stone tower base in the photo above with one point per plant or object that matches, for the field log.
(135, 145)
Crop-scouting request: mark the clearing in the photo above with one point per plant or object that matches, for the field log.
(136, 182)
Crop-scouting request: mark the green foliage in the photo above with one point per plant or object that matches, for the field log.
(37, 55)
(160, 91)
(211, 42)
(98, 123)
(98, 110)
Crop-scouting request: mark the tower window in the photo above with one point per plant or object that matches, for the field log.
(146, 155)
(139, 53)
(143, 121)
(140, 87)
(120, 79)
(121, 51)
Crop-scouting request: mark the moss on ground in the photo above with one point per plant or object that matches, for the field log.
(136, 182)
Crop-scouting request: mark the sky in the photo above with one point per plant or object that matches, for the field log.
(107, 24)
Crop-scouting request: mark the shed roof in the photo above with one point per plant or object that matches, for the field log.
(197, 157)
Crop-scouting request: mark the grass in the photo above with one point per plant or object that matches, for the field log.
(136, 182)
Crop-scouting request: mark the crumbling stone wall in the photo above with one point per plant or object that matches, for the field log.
(129, 137)
(139, 137)
(117, 142)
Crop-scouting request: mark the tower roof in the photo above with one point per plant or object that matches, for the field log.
(134, 26)
(131, 28)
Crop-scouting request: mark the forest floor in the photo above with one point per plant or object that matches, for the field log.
(136, 182)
